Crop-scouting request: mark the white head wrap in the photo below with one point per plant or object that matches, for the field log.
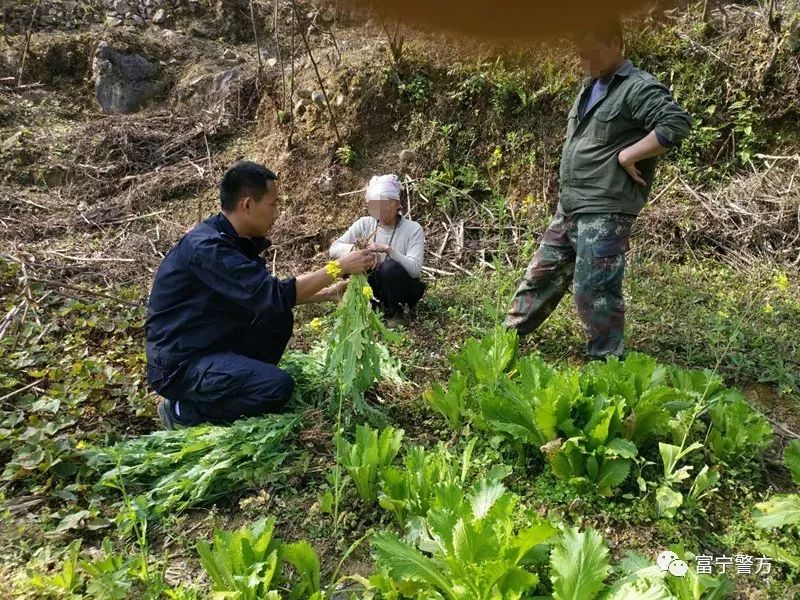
(383, 187)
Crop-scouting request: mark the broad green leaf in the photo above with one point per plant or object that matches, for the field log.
(487, 493)
(529, 538)
(739, 432)
(505, 410)
(791, 456)
(304, 559)
(621, 448)
(611, 474)
(779, 553)
(405, 563)
(641, 589)
(470, 545)
(668, 501)
(778, 511)
(517, 581)
(578, 565)
(704, 482)
(449, 402)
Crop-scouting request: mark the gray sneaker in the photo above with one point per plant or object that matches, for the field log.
(166, 414)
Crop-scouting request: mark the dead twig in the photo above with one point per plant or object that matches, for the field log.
(82, 290)
(28, 35)
(19, 391)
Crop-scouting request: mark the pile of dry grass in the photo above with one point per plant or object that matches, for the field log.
(753, 219)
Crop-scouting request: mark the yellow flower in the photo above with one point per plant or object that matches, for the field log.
(367, 291)
(80, 445)
(334, 269)
(767, 309)
(315, 324)
(723, 314)
(528, 200)
(781, 281)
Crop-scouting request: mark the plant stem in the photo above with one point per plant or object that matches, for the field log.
(319, 77)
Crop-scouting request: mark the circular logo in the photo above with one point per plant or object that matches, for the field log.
(678, 568)
(664, 559)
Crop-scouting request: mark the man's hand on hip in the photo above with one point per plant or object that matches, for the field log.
(629, 165)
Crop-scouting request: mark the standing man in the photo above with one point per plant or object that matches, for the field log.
(622, 119)
(218, 321)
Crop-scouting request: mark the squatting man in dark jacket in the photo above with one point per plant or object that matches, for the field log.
(622, 119)
(218, 321)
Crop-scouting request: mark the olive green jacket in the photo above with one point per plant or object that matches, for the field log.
(635, 103)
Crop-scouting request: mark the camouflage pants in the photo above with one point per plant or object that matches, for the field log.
(587, 250)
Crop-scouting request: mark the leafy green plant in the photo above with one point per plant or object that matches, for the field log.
(114, 575)
(467, 548)
(779, 511)
(244, 563)
(739, 432)
(187, 467)
(791, 457)
(355, 356)
(368, 456)
(578, 565)
(67, 582)
(591, 423)
(346, 155)
(450, 401)
(668, 499)
(305, 561)
(425, 475)
(486, 361)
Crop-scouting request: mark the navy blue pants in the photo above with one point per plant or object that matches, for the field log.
(221, 387)
(393, 287)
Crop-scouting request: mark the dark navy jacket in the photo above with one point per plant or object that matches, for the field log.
(209, 288)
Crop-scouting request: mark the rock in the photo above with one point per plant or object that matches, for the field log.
(339, 100)
(207, 89)
(407, 156)
(70, 6)
(318, 97)
(123, 82)
(11, 141)
(138, 20)
(121, 7)
(113, 21)
(160, 16)
(271, 62)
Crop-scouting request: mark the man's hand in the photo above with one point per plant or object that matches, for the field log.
(647, 147)
(334, 292)
(358, 261)
(627, 162)
(375, 247)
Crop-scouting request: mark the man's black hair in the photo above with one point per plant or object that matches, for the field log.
(245, 178)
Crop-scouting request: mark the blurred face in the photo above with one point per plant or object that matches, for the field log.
(599, 59)
(383, 210)
(258, 215)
